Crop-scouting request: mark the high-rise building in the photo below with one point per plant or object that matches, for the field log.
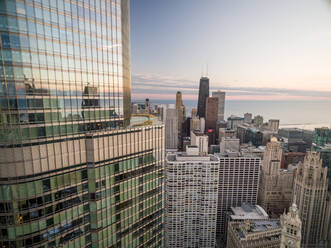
(291, 228)
(147, 106)
(200, 140)
(276, 184)
(234, 121)
(227, 143)
(186, 128)
(191, 199)
(195, 124)
(134, 108)
(325, 153)
(179, 100)
(248, 118)
(203, 94)
(59, 83)
(321, 136)
(295, 141)
(322, 144)
(162, 112)
(221, 104)
(310, 195)
(171, 128)
(238, 184)
(327, 220)
(226, 133)
(248, 134)
(211, 113)
(258, 120)
(70, 176)
(179, 107)
(180, 114)
(273, 125)
(202, 124)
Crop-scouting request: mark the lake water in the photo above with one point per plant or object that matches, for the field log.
(301, 114)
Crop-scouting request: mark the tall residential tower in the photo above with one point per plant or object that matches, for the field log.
(238, 184)
(191, 199)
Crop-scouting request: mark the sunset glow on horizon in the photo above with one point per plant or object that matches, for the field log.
(279, 45)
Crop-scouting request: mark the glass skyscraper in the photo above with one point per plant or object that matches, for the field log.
(65, 68)
(203, 95)
(73, 173)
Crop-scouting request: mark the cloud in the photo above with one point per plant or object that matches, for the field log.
(165, 87)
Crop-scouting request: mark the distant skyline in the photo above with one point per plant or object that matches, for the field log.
(255, 50)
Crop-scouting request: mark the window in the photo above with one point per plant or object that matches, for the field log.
(46, 185)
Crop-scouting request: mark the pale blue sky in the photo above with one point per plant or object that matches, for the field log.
(258, 44)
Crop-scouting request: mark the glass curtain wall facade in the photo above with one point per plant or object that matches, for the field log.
(62, 67)
(102, 190)
(70, 174)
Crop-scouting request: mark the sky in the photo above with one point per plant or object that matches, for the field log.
(253, 49)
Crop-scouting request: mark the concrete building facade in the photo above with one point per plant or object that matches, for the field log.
(180, 116)
(238, 184)
(273, 125)
(254, 234)
(232, 144)
(191, 199)
(171, 127)
(276, 184)
(291, 228)
(248, 118)
(225, 132)
(195, 124)
(310, 195)
(234, 121)
(200, 140)
(258, 121)
(211, 113)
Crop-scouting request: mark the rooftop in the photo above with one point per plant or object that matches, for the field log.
(240, 154)
(248, 211)
(198, 133)
(233, 117)
(263, 225)
(255, 230)
(144, 120)
(184, 157)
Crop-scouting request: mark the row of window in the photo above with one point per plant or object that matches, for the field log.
(111, 67)
(82, 46)
(58, 103)
(59, 90)
(14, 134)
(19, 73)
(44, 224)
(57, 117)
(44, 10)
(38, 187)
